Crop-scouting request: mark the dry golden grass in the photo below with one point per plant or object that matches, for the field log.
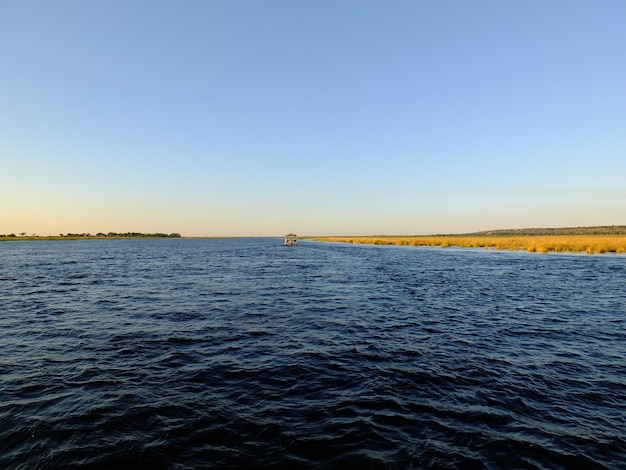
(534, 243)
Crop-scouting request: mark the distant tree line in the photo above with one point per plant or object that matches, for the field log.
(599, 230)
(124, 235)
(103, 235)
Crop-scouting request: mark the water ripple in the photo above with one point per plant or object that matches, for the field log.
(246, 354)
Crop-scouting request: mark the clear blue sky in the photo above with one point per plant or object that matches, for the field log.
(322, 117)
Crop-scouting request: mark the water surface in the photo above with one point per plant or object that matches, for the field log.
(243, 353)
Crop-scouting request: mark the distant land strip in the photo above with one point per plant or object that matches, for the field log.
(592, 240)
(598, 230)
(78, 236)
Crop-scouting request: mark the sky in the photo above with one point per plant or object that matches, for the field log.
(352, 117)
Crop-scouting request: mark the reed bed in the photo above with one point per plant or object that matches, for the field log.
(592, 244)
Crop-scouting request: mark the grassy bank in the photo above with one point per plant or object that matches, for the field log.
(532, 243)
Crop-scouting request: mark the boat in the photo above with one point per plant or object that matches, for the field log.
(291, 239)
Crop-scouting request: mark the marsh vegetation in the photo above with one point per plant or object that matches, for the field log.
(532, 243)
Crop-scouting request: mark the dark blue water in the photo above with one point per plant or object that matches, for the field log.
(247, 354)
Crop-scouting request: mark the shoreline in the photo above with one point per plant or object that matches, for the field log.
(590, 244)
(44, 238)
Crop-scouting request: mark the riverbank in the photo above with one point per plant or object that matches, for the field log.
(592, 244)
(87, 236)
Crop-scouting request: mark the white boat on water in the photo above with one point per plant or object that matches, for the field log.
(291, 239)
